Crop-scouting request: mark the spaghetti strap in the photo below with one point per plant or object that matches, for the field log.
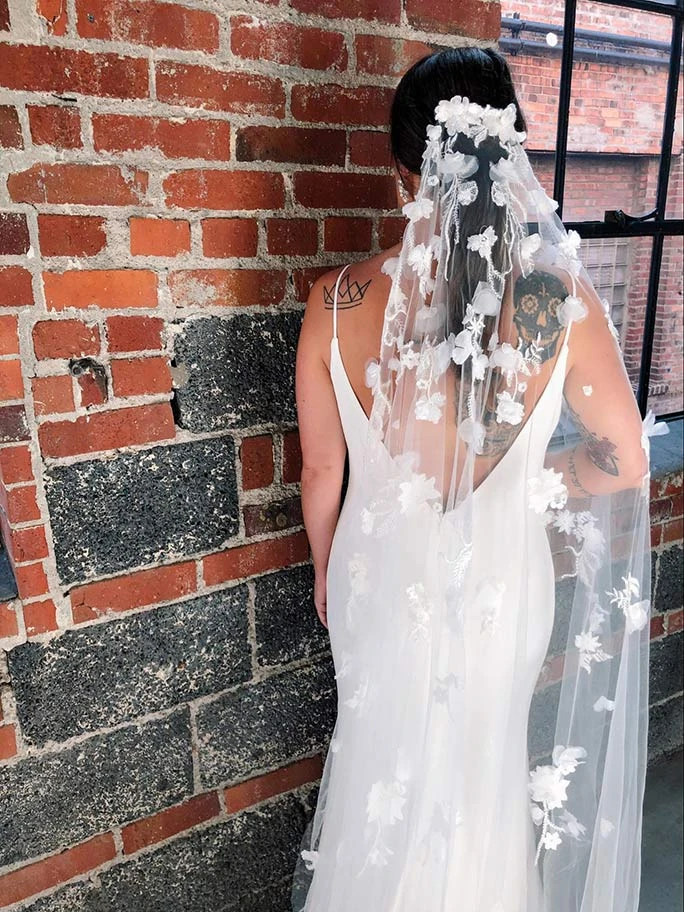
(337, 288)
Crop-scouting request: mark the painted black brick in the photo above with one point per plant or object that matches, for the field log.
(161, 503)
(665, 729)
(131, 666)
(240, 370)
(262, 726)
(287, 626)
(668, 590)
(60, 799)
(211, 870)
(666, 667)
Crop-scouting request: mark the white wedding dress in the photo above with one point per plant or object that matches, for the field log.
(386, 821)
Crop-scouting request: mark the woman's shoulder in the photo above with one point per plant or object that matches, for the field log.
(360, 279)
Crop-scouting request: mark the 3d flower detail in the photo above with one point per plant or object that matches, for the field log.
(467, 193)
(509, 359)
(420, 259)
(546, 490)
(603, 703)
(384, 807)
(572, 310)
(528, 247)
(590, 650)
(488, 601)
(508, 410)
(429, 408)
(485, 300)
(309, 858)
(548, 792)
(458, 114)
(420, 611)
(482, 243)
(417, 492)
(372, 373)
(473, 433)
(418, 209)
(570, 245)
(389, 267)
(635, 612)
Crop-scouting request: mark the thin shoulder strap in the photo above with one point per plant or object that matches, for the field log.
(337, 288)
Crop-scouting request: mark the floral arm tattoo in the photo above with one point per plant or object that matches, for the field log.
(600, 451)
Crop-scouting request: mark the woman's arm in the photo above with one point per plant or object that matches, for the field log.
(322, 440)
(608, 455)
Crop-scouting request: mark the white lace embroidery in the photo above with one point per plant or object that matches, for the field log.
(548, 790)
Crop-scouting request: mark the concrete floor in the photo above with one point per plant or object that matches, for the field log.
(663, 842)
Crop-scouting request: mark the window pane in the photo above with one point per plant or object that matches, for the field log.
(665, 387)
(617, 110)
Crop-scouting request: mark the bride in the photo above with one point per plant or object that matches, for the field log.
(485, 584)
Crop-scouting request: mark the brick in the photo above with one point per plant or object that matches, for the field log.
(229, 237)
(100, 530)
(16, 286)
(294, 631)
(60, 70)
(8, 748)
(371, 10)
(54, 12)
(303, 280)
(292, 457)
(272, 517)
(40, 617)
(253, 791)
(65, 339)
(71, 235)
(159, 237)
(135, 590)
(29, 544)
(250, 560)
(61, 798)
(262, 726)
(14, 235)
(149, 661)
(105, 288)
(204, 87)
(131, 334)
(380, 56)
(391, 231)
(31, 580)
(91, 379)
(303, 145)
(86, 185)
(168, 823)
(341, 233)
(194, 189)
(471, 18)
(292, 236)
(8, 620)
(226, 359)
(55, 125)
(15, 464)
(227, 287)
(289, 44)
(4, 16)
(675, 622)
(22, 505)
(153, 24)
(321, 190)
(665, 733)
(13, 426)
(256, 457)
(673, 531)
(53, 395)
(365, 105)
(10, 128)
(141, 376)
(11, 380)
(107, 430)
(209, 139)
(370, 149)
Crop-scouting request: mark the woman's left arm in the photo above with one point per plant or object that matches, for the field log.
(322, 441)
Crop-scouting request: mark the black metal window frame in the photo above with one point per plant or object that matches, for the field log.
(616, 223)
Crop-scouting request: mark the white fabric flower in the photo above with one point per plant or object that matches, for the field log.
(570, 245)
(603, 703)
(463, 347)
(309, 859)
(418, 209)
(389, 267)
(480, 364)
(458, 165)
(573, 309)
(458, 114)
(417, 492)
(508, 358)
(485, 300)
(590, 650)
(467, 193)
(528, 247)
(546, 490)
(429, 408)
(385, 802)
(548, 786)
(372, 373)
(508, 410)
(636, 612)
(472, 432)
(483, 242)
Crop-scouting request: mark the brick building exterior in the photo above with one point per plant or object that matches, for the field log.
(170, 185)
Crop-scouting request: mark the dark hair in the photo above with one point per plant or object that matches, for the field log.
(482, 76)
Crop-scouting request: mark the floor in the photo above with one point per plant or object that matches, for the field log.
(661, 889)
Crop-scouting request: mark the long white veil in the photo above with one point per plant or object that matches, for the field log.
(493, 651)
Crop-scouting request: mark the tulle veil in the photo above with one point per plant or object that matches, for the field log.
(486, 311)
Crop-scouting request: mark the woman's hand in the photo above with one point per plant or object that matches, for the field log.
(321, 598)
